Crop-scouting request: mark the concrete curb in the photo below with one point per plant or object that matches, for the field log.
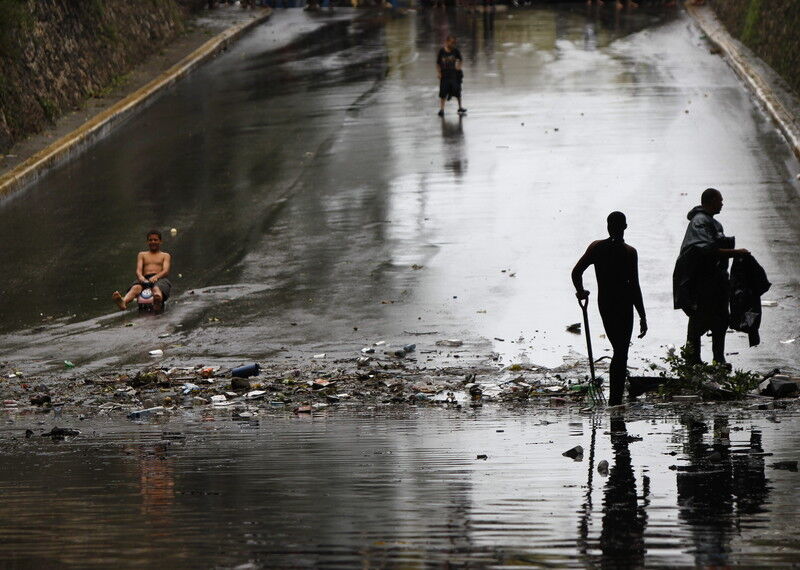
(101, 124)
(746, 65)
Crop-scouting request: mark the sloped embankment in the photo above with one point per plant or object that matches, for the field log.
(54, 54)
(771, 28)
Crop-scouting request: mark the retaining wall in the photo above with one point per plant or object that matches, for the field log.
(771, 28)
(56, 53)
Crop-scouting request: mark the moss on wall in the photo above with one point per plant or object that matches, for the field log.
(56, 53)
(771, 28)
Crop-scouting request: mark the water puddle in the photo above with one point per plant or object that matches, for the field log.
(427, 487)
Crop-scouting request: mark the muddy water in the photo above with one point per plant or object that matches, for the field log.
(388, 489)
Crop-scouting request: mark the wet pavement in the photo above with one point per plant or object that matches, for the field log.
(321, 206)
(382, 489)
(315, 191)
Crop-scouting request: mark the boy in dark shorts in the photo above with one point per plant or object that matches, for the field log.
(448, 68)
(152, 268)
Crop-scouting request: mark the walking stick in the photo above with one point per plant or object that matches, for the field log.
(595, 391)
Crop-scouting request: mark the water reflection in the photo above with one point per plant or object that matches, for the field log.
(453, 142)
(388, 489)
(719, 488)
(624, 519)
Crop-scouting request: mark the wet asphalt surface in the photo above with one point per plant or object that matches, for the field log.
(316, 192)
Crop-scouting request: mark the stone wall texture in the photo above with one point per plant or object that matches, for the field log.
(771, 28)
(56, 53)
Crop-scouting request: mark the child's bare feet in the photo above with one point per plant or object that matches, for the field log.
(117, 298)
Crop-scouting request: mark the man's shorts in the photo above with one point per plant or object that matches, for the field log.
(163, 284)
(449, 86)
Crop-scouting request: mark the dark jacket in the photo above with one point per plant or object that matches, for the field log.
(699, 273)
(748, 283)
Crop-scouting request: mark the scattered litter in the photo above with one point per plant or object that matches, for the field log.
(574, 328)
(769, 303)
(188, 388)
(303, 409)
(575, 453)
(208, 371)
(61, 433)
(450, 342)
(40, 399)
(156, 352)
(319, 356)
(173, 232)
(788, 341)
(68, 364)
(163, 335)
(779, 387)
(687, 399)
(368, 350)
(785, 465)
(380, 343)
(246, 371)
(255, 394)
(240, 384)
(218, 400)
(482, 456)
(142, 414)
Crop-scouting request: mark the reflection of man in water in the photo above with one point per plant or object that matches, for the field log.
(618, 292)
(718, 489)
(448, 69)
(624, 521)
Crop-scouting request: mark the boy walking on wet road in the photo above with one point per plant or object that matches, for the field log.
(448, 69)
(152, 268)
(616, 265)
(700, 281)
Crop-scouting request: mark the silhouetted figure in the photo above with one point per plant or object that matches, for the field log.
(618, 292)
(624, 520)
(700, 280)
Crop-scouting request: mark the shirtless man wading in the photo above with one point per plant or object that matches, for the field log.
(152, 268)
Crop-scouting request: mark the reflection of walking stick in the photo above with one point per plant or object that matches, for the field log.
(585, 518)
(595, 391)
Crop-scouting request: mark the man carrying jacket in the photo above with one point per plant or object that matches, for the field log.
(700, 280)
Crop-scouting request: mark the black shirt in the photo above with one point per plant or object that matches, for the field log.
(446, 60)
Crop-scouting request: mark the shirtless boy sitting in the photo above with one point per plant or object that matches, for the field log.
(152, 267)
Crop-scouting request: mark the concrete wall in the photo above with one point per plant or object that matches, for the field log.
(771, 28)
(56, 53)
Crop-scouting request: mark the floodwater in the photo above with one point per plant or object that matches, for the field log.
(380, 489)
(315, 191)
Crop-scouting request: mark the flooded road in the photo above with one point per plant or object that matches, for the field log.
(404, 489)
(316, 192)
